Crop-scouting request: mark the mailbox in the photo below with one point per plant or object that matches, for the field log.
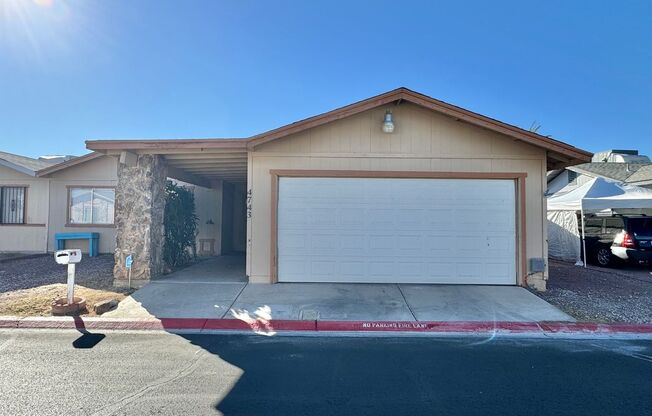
(72, 256)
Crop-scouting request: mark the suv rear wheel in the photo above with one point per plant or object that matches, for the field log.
(603, 257)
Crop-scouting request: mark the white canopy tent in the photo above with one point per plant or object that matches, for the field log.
(597, 195)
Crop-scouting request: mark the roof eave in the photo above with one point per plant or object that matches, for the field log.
(151, 145)
(68, 163)
(560, 154)
(17, 167)
(574, 154)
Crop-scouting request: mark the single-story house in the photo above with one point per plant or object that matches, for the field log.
(399, 187)
(42, 197)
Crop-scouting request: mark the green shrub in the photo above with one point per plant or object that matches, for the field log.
(180, 223)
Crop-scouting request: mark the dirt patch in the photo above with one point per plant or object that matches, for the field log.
(36, 301)
(600, 295)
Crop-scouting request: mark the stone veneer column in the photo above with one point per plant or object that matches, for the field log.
(139, 206)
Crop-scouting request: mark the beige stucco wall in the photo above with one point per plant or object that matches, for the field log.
(97, 172)
(422, 141)
(208, 208)
(239, 217)
(31, 237)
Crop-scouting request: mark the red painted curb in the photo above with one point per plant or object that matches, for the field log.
(47, 322)
(8, 322)
(258, 325)
(201, 324)
(183, 323)
(411, 326)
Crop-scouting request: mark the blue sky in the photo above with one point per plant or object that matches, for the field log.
(86, 69)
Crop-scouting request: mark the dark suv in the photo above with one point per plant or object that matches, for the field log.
(613, 239)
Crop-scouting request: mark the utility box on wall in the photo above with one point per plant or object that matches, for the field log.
(537, 265)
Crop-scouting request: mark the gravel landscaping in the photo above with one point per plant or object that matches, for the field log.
(601, 295)
(29, 285)
(92, 272)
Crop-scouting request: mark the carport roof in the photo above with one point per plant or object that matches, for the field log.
(560, 154)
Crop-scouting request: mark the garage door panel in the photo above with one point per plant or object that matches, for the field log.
(396, 230)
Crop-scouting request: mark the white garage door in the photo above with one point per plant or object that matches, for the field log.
(396, 230)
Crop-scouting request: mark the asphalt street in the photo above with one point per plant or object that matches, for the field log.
(117, 373)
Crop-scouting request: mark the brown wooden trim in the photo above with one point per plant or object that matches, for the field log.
(22, 225)
(395, 174)
(395, 96)
(519, 189)
(69, 163)
(68, 206)
(91, 186)
(523, 230)
(497, 126)
(428, 102)
(163, 144)
(89, 225)
(274, 231)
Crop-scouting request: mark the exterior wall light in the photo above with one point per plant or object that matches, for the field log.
(388, 124)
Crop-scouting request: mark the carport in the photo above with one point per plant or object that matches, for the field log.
(215, 169)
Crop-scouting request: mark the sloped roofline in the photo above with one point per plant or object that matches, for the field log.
(68, 163)
(405, 94)
(571, 153)
(17, 167)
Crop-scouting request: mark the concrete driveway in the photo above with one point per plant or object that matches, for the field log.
(217, 288)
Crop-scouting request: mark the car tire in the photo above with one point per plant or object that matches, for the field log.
(603, 257)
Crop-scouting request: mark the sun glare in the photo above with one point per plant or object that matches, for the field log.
(45, 3)
(41, 29)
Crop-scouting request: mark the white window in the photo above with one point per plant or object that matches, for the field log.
(12, 205)
(92, 206)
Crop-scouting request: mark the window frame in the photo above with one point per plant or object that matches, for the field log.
(70, 188)
(574, 175)
(25, 192)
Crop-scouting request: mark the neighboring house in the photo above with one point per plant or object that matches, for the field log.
(49, 195)
(41, 197)
(625, 166)
(399, 187)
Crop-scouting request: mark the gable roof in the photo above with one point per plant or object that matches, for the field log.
(632, 173)
(405, 94)
(643, 175)
(23, 164)
(610, 170)
(68, 163)
(560, 154)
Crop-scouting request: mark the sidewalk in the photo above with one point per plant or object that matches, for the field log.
(213, 296)
(337, 302)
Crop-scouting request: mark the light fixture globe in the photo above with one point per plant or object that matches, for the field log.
(388, 124)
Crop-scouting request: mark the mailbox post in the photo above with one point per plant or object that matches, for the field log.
(70, 258)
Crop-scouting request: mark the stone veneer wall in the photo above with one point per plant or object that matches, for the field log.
(139, 206)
